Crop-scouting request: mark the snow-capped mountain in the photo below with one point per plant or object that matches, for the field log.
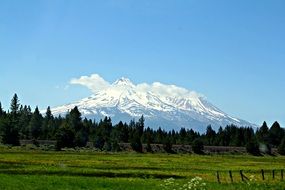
(165, 106)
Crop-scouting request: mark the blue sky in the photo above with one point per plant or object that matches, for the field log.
(233, 52)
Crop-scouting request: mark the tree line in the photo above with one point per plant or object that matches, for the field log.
(21, 123)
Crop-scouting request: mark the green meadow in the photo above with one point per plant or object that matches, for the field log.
(35, 169)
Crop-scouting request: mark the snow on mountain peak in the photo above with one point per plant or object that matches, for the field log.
(163, 105)
(123, 82)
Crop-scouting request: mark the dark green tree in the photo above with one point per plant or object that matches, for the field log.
(81, 138)
(182, 136)
(115, 139)
(35, 125)
(74, 119)
(1, 110)
(9, 124)
(15, 105)
(159, 136)
(136, 141)
(210, 135)
(276, 134)
(198, 146)
(262, 134)
(65, 137)
(48, 125)
(9, 134)
(103, 133)
(167, 145)
(252, 147)
(281, 147)
(148, 139)
(118, 132)
(24, 120)
(14, 111)
(191, 136)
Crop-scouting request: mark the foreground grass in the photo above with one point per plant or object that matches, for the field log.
(90, 170)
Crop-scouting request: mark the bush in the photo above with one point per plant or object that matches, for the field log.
(167, 146)
(198, 146)
(137, 146)
(81, 138)
(116, 147)
(253, 148)
(107, 146)
(149, 148)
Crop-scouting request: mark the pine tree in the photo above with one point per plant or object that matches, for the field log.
(148, 139)
(9, 125)
(65, 137)
(14, 111)
(126, 132)
(1, 110)
(210, 135)
(276, 133)
(35, 125)
(191, 136)
(24, 120)
(183, 136)
(115, 139)
(74, 119)
(49, 115)
(138, 132)
(9, 134)
(103, 133)
(198, 146)
(262, 133)
(281, 147)
(119, 131)
(48, 124)
(252, 147)
(159, 136)
(75, 124)
(81, 138)
(14, 108)
(167, 145)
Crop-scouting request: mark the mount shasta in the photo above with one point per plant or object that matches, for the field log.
(165, 106)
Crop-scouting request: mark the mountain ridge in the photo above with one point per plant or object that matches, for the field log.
(166, 106)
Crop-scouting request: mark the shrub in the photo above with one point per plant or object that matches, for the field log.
(198, 146)
(167, 146)
(148, 147)
(137, 146)
(116, 147)
(253, 148)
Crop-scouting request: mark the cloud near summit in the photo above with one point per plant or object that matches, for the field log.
(96, 83)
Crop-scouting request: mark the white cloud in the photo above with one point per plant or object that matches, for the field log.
(167, 90)
(94, 82)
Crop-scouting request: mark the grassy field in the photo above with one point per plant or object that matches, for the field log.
(20, 169)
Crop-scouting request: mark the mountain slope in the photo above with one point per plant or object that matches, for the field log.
(162, 107)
